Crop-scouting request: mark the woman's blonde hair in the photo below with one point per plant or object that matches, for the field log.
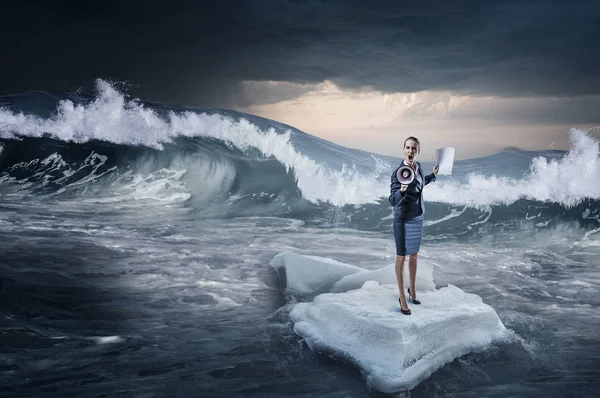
(415, 139)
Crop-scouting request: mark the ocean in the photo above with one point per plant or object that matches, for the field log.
(152, 250)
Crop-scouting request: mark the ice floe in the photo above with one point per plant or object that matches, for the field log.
(353, 314)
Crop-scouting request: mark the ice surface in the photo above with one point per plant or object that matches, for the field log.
(386, 275)
(359, 320)
(311, 275)
(307, 275)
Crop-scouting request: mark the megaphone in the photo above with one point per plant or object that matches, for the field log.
(405, 175)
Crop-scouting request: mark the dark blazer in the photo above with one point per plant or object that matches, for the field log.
(410, 204)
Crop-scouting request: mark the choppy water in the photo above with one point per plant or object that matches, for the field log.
(136, 241)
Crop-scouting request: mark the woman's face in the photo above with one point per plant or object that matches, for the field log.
(410, 151)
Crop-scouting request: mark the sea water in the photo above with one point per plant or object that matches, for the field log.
(150, 250)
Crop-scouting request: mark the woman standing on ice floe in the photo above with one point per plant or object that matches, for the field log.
(409, 212)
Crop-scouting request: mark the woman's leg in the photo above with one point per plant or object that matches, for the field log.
(400, 248)
(412, 273)
(400, 278)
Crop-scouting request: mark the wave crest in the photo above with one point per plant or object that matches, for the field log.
(567, 180)
(322, 171)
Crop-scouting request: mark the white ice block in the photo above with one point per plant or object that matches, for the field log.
(358, 320)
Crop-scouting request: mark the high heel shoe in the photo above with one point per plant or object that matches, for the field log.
(405, 312)
(413, 300)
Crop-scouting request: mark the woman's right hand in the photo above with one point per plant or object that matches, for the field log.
(403, 188)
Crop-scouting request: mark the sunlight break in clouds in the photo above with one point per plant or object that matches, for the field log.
(378, 122)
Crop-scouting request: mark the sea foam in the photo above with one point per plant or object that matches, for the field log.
(567, 180)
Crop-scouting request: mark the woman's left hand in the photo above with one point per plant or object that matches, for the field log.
(436, 169)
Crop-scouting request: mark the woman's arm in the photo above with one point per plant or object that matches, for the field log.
(431, 177)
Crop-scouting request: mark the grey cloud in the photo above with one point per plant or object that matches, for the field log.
(198, 52)
(544, 111)
(262, 93)
(521, 111)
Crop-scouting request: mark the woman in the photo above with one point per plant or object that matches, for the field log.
(409, 210)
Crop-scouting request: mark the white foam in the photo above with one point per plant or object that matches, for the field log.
(568, 180)
(108, 339)
(453, 214)
(95, 161)
(208, 178)
(163, 185)
(359, 320)
(223, 302)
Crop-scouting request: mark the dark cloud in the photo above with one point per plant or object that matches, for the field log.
(199, 52)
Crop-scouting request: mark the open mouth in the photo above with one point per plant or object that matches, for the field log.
(410, 157)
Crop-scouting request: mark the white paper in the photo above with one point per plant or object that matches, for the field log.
(445, 159)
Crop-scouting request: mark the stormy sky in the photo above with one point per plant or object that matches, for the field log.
(482, 74)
